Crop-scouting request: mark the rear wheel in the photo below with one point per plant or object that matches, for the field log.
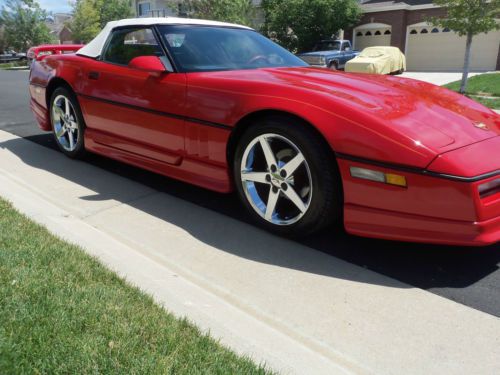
(67, 122)
(287, 178)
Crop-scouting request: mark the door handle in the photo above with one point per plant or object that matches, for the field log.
(94, 75)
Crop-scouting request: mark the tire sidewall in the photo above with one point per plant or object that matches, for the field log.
(79, 151)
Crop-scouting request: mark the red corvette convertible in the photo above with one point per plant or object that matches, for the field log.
(220, 106)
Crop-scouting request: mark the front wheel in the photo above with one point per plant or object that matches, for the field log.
(287, 178)
(67, 123)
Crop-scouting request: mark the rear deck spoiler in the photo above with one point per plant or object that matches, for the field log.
(40, 52)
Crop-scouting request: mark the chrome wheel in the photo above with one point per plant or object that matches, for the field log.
(276, 179)
(65, 123)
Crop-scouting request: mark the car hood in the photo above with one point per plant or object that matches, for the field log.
(434, 117)
(319, 53)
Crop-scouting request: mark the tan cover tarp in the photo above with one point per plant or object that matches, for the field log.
(377, 60)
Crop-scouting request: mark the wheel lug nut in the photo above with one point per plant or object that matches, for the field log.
(283, 173)
(284, 186)
(268, 178)
(273, 168)
(275, 189)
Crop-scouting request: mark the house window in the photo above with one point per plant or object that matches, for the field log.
(424, 31)
(413, 32)
(434, 31)
(378, 33)
(387, 32)
(144, 9)
(446, 30)
(368, 33)
(359, 33)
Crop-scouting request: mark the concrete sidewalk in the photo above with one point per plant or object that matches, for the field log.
(437, 78)
(296, 309)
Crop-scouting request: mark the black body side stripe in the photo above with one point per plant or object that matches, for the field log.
(409, 169)
(160, 113)
(397, 167)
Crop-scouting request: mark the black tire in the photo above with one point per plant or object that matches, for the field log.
(326, 202)
(79, 150)
(333, 66)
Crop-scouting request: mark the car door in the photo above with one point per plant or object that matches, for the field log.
(133, 110)
(344, 53)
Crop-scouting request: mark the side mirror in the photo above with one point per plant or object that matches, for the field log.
(150, 64)
(347, 49)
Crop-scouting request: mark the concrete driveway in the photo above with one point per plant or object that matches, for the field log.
(437, 78)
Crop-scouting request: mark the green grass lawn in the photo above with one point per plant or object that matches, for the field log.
(61, 312)
(14, 65)
(484, 88)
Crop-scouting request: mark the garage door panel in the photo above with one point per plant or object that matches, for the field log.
(370, 41)
(485, 51)
(377, 35)
(446, 51)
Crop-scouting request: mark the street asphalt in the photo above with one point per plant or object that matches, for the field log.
(469, 276)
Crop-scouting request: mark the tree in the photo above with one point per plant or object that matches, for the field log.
(3, 43)
(235, 11)
(85, 24)
(299, 24)
(24, 24)
(468, 18)
(90, 16)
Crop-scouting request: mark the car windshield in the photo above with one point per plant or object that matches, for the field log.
(327, 45)
(208, 48)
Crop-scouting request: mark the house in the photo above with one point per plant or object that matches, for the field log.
(165, 8)
(156, 8)
(58, 25)
(402, 23)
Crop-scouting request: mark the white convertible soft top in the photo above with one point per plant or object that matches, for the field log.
(94, 47)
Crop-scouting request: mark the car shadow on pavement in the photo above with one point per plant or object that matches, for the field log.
(423, 266)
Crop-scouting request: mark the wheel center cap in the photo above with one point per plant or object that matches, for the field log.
(276, 179)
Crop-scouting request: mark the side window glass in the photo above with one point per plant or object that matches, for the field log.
(126, 44)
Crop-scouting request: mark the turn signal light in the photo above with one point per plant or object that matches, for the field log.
(489, 188)
(377, 176)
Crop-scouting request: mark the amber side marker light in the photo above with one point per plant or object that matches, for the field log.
(489, 188)
(377, 176)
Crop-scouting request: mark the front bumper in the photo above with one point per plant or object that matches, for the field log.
(429, 210)
(376, 223)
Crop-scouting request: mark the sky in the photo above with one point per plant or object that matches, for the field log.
(52, 5)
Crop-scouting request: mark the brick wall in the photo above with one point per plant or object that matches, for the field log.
(399, 20)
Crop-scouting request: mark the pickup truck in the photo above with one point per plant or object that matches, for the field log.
(10, 56)
(333, 54)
